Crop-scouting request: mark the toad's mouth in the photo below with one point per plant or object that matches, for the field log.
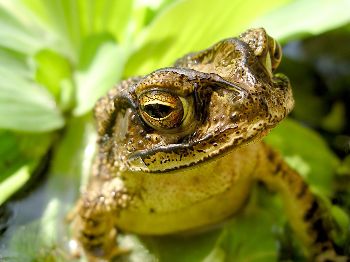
(172, 157)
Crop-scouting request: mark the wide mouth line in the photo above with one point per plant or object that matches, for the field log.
(209, 157)
(173, 147)
(168, 148)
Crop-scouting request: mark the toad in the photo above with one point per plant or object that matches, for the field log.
(180, 149)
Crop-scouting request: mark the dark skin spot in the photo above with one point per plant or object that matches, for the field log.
(271, 156)
(312, 210)
(278, 168)
(318, 227)
(302, 191)
(91, 237)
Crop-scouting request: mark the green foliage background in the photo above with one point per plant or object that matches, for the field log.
(58, 57)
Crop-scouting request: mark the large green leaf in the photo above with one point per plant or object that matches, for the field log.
(52, 68)
(55, 73)
(193, 25)
(305, 16)
(77, 26)
(100, 76)
(20, 31)
(201, 25)
(72, 21)
(24, 105)
(16, 61)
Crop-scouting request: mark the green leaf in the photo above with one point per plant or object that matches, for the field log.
(109, 16)
(52, 69)
(307, 152)
(335, 121)
(16, 61)
(344, 168)
(100, 76)
(59, 18)
(193, 248)
(252, 234)
(73, 21)
(14, 182)
(20, 154)
(26, 106)
(191, 25)
(19, 31)
(305, 16)
(55, 72)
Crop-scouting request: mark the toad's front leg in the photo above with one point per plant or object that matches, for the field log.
(95, 219)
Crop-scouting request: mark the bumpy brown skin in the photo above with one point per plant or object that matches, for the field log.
(180, 149)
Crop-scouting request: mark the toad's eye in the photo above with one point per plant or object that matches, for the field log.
(158, 110)
(162, 110)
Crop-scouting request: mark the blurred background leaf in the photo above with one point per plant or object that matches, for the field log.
(165, 40)
(305, 17)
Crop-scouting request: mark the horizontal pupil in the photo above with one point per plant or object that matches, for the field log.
(157, 110)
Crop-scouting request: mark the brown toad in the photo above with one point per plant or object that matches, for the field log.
(180, 149)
